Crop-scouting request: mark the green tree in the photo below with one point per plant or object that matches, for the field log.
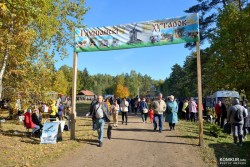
(32, 31)
(208, 12)
(85, 80)
(230, 50)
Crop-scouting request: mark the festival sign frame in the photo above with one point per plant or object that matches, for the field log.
(144, 34)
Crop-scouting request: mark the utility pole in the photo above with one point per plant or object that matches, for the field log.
(201, 140)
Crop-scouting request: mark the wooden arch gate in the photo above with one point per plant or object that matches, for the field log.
(144, 34)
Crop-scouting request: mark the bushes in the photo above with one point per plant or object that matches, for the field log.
(215, 130)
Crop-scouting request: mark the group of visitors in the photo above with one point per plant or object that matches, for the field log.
(102, 109)
(189, 109)
(57, 110)
(237, 116)
(156, 109)
(33, 120)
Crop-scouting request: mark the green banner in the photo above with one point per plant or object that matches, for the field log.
(144, 34)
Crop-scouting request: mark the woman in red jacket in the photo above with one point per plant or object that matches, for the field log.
(29, 123)
(217, 109)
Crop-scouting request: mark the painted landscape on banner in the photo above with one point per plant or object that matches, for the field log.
(144, 34)
(49, 134)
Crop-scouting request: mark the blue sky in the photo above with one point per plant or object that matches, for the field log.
(153, 61)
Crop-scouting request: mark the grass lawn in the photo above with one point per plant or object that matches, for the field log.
(17, 149)
(215, 148)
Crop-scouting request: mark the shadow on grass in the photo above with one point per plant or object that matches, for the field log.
(31, 141)
(16, 133)
(241, 155)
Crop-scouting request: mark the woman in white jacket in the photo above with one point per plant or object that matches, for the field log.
(124, 109)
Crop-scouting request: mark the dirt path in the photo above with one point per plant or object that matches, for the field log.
(135, 145)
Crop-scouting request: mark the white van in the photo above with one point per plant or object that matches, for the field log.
(225, 94)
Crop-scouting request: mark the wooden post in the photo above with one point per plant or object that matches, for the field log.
(201, 142)
(73, 111)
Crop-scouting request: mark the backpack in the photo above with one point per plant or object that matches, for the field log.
(238, 116)
(66, 128)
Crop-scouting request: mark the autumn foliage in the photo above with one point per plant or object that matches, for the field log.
(121, 91)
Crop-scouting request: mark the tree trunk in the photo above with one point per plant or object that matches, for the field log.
(224, 3)
(240, 5)
(6, 54)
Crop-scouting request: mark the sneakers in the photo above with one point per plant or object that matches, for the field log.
(154, 129)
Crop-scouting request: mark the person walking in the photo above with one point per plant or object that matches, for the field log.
(192, 109)
(159, 106)
(136, 105)
(144, 110)
(171, 112)
(246, 124)
(114, 110)
(124, 110)
(91, 109)
(100, 116)
(217, 108)
(223, 114)
(185, 110)
(236, 118)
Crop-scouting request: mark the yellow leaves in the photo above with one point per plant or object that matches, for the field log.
(121, 91)
(3, 8)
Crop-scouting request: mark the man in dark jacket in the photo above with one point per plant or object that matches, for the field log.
(223, 114)
(100, 115)
(235, 117)
(91, 109)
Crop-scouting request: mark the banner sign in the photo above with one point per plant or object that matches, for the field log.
(144, 34)
(49, 134)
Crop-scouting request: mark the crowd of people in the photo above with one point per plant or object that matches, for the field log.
(237, 116)
(101, 110)
(171, 109)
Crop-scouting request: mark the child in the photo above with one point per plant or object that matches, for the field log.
(151, 115)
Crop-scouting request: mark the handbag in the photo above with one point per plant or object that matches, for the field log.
(145, 110)
(227, 128)
(109, 131)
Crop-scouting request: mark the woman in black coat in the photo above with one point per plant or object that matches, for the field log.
(37, 118)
